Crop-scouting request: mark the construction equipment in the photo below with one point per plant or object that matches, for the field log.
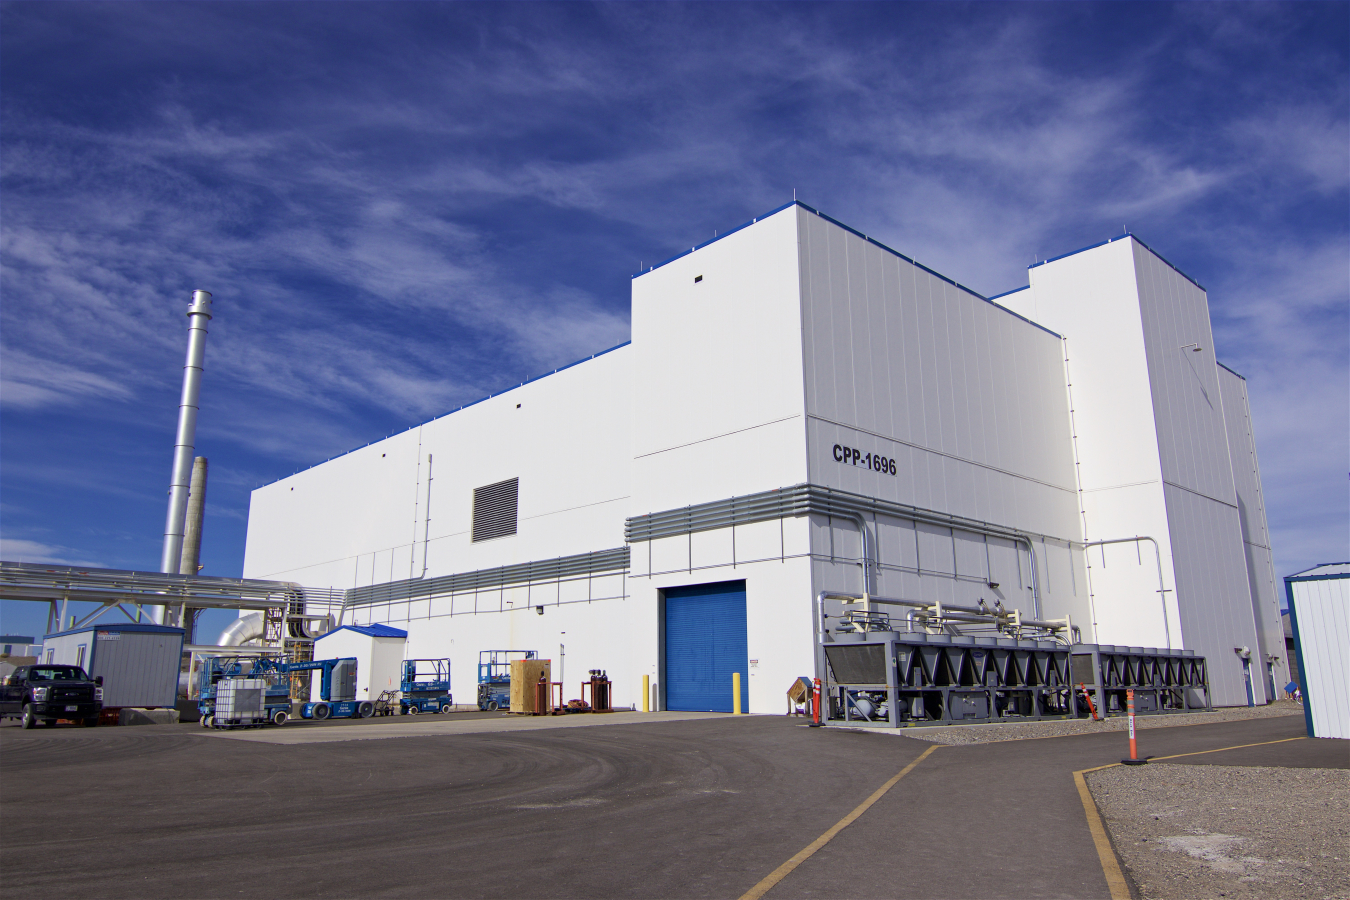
(494, 676)
(276, 685)
(428, 693)
(337, 690)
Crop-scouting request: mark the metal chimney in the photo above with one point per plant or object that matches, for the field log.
(199, 313)
(196, 509)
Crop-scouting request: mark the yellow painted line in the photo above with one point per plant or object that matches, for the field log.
(1115, 878)
(1221, 749)
(786, 868)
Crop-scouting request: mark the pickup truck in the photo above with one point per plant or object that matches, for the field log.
(50, 692)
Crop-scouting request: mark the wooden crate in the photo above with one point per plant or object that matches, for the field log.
(524, 677)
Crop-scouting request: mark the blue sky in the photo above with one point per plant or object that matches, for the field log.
(402, 207)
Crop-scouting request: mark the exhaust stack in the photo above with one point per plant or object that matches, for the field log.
(199, 313)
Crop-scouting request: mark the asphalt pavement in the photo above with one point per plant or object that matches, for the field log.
(704, 807)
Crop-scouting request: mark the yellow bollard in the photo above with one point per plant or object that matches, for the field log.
(735, 693)
(646, 693)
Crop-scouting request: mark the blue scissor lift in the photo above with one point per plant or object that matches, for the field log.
(427, 690)
(494, 676)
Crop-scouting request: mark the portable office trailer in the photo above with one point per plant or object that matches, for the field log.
(378, 650)
(139, 663)
(1319, 608)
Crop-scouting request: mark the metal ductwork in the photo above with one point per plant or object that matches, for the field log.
(242, 630)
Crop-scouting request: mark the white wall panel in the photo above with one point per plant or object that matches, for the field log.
(1252, 517)
(1188, 409)
(362, 517)
(717, 377)
(950, 386)
(1322, 611)
(1212, 593)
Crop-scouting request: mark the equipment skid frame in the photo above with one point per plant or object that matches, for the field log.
(953, 679)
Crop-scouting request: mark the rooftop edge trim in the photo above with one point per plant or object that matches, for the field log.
(856, 232)
(1120, 237)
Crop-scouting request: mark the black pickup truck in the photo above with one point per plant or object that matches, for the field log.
(50, 692)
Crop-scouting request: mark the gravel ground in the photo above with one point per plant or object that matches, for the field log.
(983, 734)
(1226, 831)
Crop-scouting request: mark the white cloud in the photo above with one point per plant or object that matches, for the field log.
(26, 551)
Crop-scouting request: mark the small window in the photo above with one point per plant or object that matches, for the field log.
(495, 508)
(697, 279)
(79, 655)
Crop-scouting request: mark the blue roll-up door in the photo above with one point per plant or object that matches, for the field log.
(705, 643)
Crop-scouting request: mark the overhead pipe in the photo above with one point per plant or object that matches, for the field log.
(243, 629)
(829, 502)
(199, 313)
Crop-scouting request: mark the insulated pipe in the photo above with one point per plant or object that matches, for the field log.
(199, 313)
(829, 503)
(1162, 588)
(241, 630)
(866, 562)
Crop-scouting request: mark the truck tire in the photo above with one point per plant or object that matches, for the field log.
(280, 717)
(322, 711)
(365, 709)
(492, 706)
(27, 720)
(89, 722)
(414, 709)
(446, 707)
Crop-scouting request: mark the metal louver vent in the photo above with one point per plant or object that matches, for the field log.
(494, 509)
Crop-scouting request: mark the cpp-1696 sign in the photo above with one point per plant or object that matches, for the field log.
(852, 456)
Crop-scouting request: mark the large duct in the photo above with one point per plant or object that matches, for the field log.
(242, 630)
(199, 313)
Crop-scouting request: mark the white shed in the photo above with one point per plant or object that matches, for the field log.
(378, 650)
(1319, 608)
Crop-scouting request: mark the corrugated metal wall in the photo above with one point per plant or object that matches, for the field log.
(1321, 613)
(138, 669)
(1213, 593)
(1252, 519)
(969, 402)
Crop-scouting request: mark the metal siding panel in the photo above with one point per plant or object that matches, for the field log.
(1209, 572)
(915, 399)
(971, 559)
(1323, 613)
(1252, 516)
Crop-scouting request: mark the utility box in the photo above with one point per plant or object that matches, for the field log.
(378, 650)
(239, 701)
(524, 676)
(139, 663)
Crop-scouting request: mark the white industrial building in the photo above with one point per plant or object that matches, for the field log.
(801, 410)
